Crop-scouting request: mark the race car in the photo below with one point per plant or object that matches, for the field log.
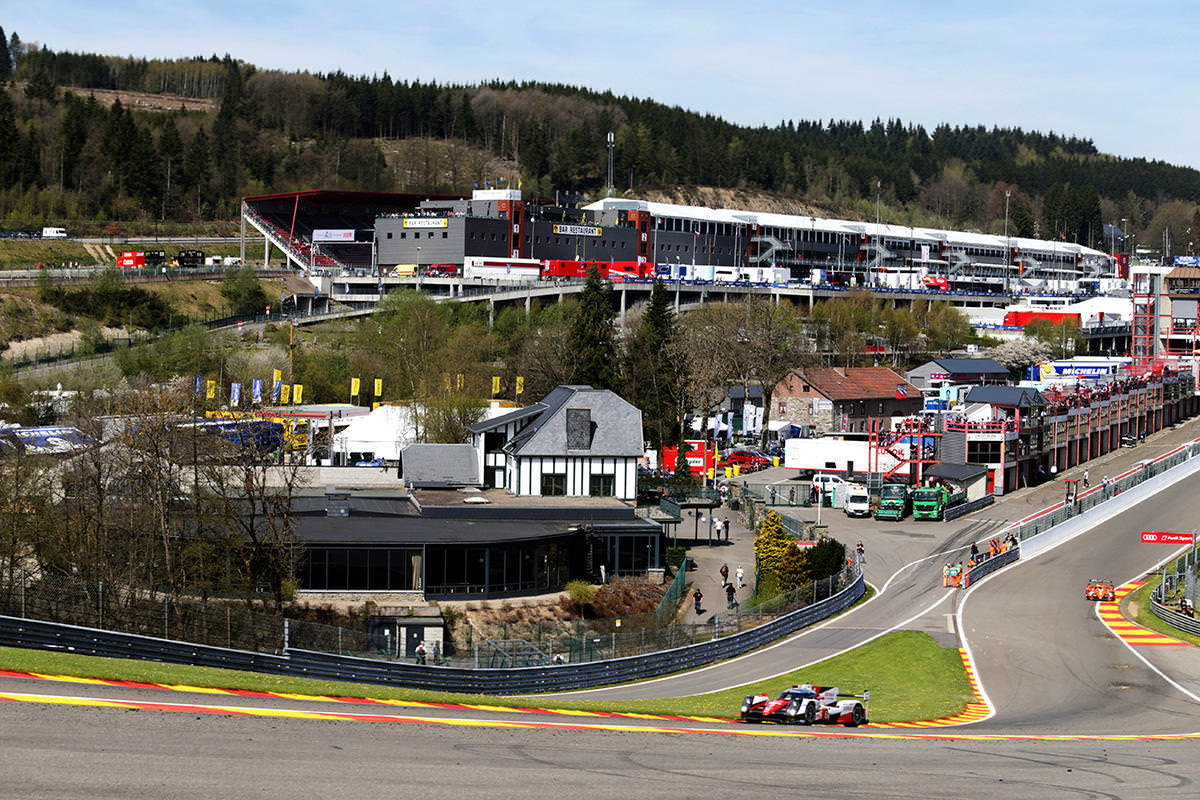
(1099, 589)
(807, 704)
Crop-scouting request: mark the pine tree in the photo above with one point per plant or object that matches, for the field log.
(592, 335)
(6, 65)
(653, 375)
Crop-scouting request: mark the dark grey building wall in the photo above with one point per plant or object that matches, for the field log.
(462, 236)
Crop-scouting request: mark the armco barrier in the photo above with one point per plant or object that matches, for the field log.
(18, 632)
(21, 632)
(992, 564)
(954, 512)
(1175, 619)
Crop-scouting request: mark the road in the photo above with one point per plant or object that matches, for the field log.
(1047, 661)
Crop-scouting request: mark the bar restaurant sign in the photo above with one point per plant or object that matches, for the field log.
(578, 230)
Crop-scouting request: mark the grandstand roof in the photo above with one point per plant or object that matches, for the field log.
(400, 198)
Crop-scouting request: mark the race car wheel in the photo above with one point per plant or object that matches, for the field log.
(810, 714)
(857, 716)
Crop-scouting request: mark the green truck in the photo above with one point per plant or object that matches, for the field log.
(931, 502)
(893, 501)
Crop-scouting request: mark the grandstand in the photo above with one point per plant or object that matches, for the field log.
(289, 219)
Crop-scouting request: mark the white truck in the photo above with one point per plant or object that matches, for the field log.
(834, 454)
(858, 501)
(54, 233)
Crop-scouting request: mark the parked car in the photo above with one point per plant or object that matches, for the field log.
(808, 705)
(747, 460)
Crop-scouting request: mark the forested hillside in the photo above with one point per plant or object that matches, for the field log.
(65, 156)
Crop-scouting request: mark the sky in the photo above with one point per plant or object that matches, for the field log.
(1121, 74)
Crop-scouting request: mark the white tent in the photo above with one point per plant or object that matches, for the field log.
(381, 434)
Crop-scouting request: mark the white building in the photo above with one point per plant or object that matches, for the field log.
(577, 442)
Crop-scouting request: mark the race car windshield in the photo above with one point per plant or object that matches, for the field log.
(797, 694)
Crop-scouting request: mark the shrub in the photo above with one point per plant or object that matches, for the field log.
(581, 593)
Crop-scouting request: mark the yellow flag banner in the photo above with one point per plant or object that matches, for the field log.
(458, 381)
(495, 384)
(520, 385)
(211, 390)
(297, 393)
(379, 387)
(355, 384)
(277, 376)
(285, 393)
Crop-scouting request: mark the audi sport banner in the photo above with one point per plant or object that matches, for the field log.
(1166, 537)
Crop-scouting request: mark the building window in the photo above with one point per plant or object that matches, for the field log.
(554, 484)
(445, 234)
(389, 234)
(403, 234)
(603, 486)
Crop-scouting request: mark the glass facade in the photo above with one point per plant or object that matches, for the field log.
(483, 570)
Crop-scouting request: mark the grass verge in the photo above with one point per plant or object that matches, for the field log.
(1136, 606)
(910, 677)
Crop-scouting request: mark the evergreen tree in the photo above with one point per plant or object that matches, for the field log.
(6, 65)
(770, 549)
(653, 376)
(9, 140)
(592, 335)
(170, 151)
(243, 291)
(792, 570)
(15, 50)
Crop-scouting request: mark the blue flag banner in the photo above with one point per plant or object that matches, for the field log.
(235, 394)
(275, 390)
(197, 385)
(256, 390)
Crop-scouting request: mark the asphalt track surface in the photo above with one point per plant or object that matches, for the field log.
(1077, 712)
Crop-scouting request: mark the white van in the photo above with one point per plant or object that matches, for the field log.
(54, 233)
(858, 501)
(827, 483)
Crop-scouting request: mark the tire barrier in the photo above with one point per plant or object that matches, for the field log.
(18, 632)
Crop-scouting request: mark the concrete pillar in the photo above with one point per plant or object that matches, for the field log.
(266, 252)
(242, 237)
(528, 303)
(621, 313)
(491, 313)
(676, 298)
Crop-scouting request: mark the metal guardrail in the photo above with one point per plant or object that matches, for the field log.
(18, 632)
(990, 565)
(954, 512)
(1174, 618)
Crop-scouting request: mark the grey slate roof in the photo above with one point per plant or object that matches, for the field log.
(971, 366)
(956, 472)
(1016, 396)
(440, 465)
(504, 419)
(616, 425)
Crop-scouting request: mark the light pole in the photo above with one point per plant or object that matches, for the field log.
(1007, 244)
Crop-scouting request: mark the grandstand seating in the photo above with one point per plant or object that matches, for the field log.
(290, 219)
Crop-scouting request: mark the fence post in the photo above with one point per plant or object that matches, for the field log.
(22, 592)
(286, 633)
(166, 611)
(100, 605)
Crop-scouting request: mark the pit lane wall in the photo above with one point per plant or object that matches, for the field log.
(20, 632)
